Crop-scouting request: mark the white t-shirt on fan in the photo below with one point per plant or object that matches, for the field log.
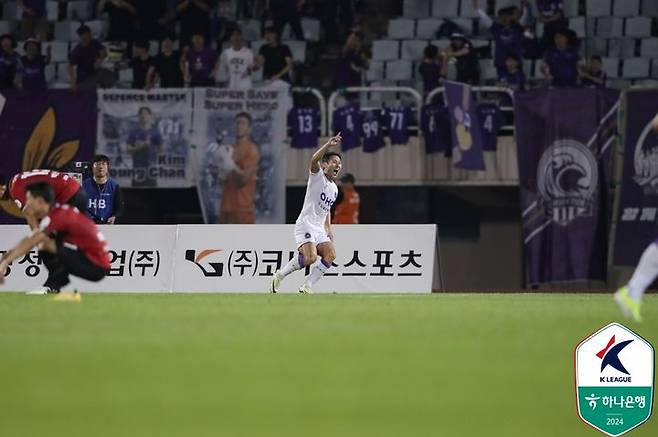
(237, 64)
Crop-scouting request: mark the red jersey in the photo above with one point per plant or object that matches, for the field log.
(347, 211)
(75, 228)
(64, 185)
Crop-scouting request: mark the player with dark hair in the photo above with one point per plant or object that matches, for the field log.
(105, 199)
(313, 233)
(69, 243)
(237, 205)
(67, 190)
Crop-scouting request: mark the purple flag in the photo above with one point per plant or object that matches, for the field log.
(466, 134)
(564, 139)
(45, 129)
(637, 216)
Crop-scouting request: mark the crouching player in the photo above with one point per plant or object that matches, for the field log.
(69, 243)
(313, 226)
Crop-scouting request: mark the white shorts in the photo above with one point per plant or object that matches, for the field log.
(306, 233)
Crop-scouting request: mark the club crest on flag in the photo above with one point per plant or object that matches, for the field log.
(567, 179)
(645, 160)
(614, 379)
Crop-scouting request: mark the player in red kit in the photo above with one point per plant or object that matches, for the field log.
(69, 242)
(67, 189)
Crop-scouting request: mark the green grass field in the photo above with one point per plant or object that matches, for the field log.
(290, 365)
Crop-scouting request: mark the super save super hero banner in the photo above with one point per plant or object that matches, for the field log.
(146, 135)
(637, 215)
(564, 139)
(47, 129)
(241, 153)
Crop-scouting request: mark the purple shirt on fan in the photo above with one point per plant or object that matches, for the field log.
(201, 64)
(38, 6)
(346, 121)
(84, 59)
(346, 75)
(303, 124)
(515, 80)
(371, 130)
(508, 41)
(34, 75)
(563, 65)
(431, 74)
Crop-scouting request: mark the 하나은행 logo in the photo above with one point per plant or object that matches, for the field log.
(614, 372)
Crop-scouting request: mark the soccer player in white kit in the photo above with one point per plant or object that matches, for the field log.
(313, 233)
(629, 297)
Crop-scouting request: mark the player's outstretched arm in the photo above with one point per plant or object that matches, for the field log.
(23, 247)
(317, 156)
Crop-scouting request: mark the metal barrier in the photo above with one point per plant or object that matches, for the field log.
(322, 102)
(373, 89)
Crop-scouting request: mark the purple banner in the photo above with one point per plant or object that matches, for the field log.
(564, 141)
(637, 223)
(467, 147)
(44, 130)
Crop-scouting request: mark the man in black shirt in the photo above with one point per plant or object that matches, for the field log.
(140, 64)
(287, 11)
(122, 18)
(275, 58)
(194, 18)
(166, 67)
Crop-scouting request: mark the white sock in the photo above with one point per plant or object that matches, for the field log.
(645, 272)
(319, 269)
(296, 263)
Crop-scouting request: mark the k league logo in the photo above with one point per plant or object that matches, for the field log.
(567, 178)
(614, 379)
(645, 160)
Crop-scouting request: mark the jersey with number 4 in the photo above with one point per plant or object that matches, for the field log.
(303, 123)
(346, 121)
(371, 130)
(64, 185)
(491, 119)
(321, 193)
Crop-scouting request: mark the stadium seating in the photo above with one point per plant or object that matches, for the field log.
(598, 8)
(445, 8)
(412, 50)
(416, 8)
(626, 8)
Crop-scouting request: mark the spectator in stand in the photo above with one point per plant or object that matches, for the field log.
(432, 69)
(275, 58)
(85, 60)
(200, 63)
(140, 64)
(347, 202)
(238, 61)
(551, 14)
(287, 11)
(35, 19)
(512, 76)
(10, 63)
(593, 74)
(122, 15)
(465, 58)
(34, 66)
(337, 19)
(352, 63)
(560, 66)
(507, 31)
(151, 18)
(194, 16)
(166, 67)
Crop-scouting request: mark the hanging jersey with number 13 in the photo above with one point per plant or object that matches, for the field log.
(303, 124)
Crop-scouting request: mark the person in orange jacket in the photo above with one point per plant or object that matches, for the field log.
(347, 205)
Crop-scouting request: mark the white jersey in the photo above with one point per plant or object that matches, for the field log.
(237, 64)
(321, 194)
